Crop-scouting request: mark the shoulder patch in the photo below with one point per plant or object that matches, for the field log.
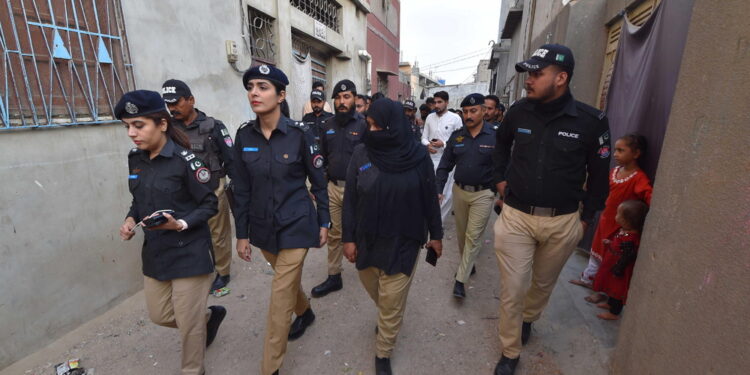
(590, 110)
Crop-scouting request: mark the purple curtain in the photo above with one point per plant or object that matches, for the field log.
(645, 74)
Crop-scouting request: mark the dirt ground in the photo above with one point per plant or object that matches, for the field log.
(439, 335)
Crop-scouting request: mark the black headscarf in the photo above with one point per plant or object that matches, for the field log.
(392, 149)
(396, 205)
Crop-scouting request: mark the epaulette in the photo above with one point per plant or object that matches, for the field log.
(133, 151)
(248, 122)
(590, 110)
(299, 125)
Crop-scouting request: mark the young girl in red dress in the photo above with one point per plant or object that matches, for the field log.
(626, 181)
(621, 249)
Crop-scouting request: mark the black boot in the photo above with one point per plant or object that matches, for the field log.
(525, 332)
(383, 366)
(300, 324)
(212, 327)
(219, 282)
(332, 284)
(458, 290)
(506, 366)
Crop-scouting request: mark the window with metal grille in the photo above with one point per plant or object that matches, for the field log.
(261, 37)
(637, 15)
(326, 12)
(301, 49)
(64, 62)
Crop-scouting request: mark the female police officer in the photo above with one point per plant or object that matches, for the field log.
(274, 155)
(177, 255)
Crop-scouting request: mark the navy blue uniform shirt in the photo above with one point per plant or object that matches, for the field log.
(471, 156)
(177, 180)
(339, 142)
(274, 209)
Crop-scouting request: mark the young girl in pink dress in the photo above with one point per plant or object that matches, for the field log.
(626, 181)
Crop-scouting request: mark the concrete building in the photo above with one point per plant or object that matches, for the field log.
(64, 165)
(419, 83)
(383, 44)
(483, 73)
(456, 93)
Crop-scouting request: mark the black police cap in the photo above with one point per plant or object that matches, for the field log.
(267, 72)
(473, 99)
(138, 103)
(317, 94)
(174, 89)
(409, 104)
(344, 85)
(546, 55)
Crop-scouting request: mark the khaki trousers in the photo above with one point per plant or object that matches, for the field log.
(472, 210)
(389, 293)
(181, 303)
(287, 297)
(335, 248)
(531, 251)
(221, 232)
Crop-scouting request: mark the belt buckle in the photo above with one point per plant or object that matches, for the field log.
(543, 211)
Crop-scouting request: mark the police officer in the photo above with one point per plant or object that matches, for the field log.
(211, 142)
(275, 156)
(342, 133)
(177, 255)
(469, 150)
(494, 110)
(314, 120)
(410, 110)
(546, 147)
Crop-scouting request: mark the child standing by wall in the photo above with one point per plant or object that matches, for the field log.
(621, 249)
(626, 181)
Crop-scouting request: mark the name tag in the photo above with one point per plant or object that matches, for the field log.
(250, 149)
(365, 167)
(486, 146)
(568, 134)
(133, 177)
(459, 145)
(524, 131)
(331, 131)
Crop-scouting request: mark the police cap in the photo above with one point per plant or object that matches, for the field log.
(473, 99)
(317, 94)
(267, 72)
(409, 104)
(138, 103)
(546, 55)
(344, 85)
(173, 89)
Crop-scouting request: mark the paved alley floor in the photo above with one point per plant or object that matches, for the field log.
(439, 335)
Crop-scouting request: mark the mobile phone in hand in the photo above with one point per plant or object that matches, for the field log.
(431, 257)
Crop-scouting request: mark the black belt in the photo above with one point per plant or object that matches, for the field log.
(339, 183)
(473, 188)
(538, 211)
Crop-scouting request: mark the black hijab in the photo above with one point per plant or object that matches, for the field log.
(396, 205)
(392, 149)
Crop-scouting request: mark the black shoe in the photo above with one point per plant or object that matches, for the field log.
(332, 284)
(219, 282)
(473, 270)
(458, 290)
(212, 327)
(275, 372)
(300, 324)
(506, 366)
(525, 332)
(383, 366)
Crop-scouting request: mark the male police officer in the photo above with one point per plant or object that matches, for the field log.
(342, 133)
(315, 118)
(469, 150)
(211, 142)
(410, 110)
(547, 145)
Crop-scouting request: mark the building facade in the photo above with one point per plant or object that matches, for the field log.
(64, 166)
(383, 44)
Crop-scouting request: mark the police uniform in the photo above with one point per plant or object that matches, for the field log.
(177, 265)
(337, 146)
(275, 212)
(473, 194)
(210, 141)
(415, 128)
(544, 151)
(315, 122)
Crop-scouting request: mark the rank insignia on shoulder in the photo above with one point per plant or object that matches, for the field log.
(203, 175)
(225, 132)
(184, 152)
(365, 167)
(195, 165)
(134, 150)
(317, 161)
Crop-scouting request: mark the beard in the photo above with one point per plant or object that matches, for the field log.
(343, 115)
(317, 110)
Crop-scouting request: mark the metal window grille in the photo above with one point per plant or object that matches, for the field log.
(301, 50)
(262, 44)
(64, 62)
(326, 12)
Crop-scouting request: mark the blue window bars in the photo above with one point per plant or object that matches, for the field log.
(64, 62)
